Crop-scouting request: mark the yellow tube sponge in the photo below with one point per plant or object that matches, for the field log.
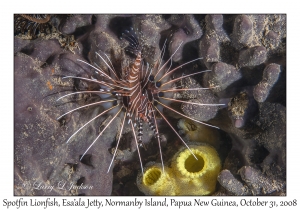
(155, 181)
(187, 175)
(196, 177)
(198, 132)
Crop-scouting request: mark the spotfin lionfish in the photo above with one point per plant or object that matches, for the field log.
(141, 93)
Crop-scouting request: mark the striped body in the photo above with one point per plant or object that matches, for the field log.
(137, 101)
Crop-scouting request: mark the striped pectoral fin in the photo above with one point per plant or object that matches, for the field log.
(156, 131)
(137, 147)
(140, 134)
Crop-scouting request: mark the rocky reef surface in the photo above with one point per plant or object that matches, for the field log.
(247, 58)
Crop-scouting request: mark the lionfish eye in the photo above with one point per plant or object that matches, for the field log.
(151, 78)
(160, 94)
(157, 84)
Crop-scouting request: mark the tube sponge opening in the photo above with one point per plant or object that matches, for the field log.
(187, 175)
(196, 177)
(151, 176)
(155, 181)
(193, 165)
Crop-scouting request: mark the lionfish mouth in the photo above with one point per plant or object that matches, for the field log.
(141, 93)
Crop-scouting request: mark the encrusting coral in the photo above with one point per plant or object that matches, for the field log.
(187, 175)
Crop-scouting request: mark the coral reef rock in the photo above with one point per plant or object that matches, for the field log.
(242, 58)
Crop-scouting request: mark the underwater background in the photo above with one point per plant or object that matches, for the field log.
(247, 57)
